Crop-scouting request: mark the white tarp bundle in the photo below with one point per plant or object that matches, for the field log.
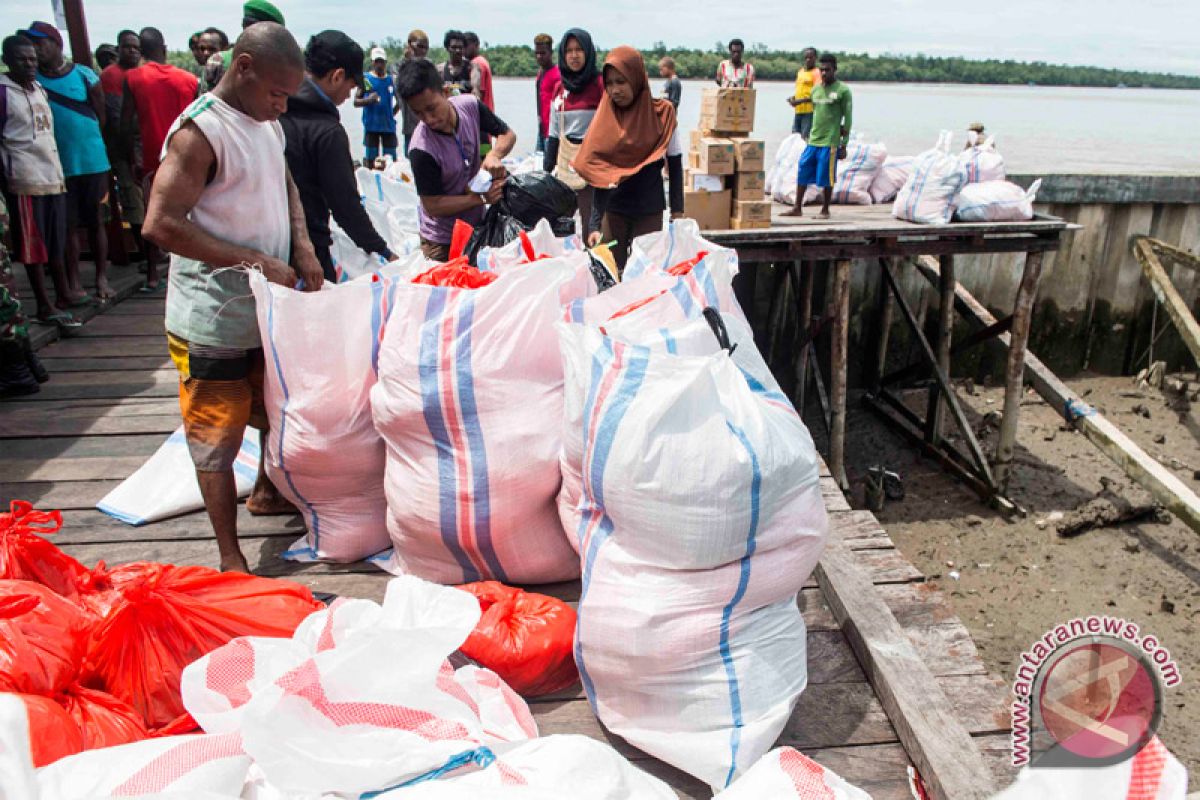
(323, 452)
(165, 486)
(891, 177)
(781, 177)
(981, 160)
(996, 201)
(468, 399)
(700, 519)
(856, 175)
(929, 194)
(787, 774)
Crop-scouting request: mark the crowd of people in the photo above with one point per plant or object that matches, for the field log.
(245, 161)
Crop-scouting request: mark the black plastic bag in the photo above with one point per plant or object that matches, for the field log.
(532, 196)
(497, 229)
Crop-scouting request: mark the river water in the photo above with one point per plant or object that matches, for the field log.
(1039, 129)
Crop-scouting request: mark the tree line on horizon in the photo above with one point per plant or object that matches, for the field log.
(517, 61)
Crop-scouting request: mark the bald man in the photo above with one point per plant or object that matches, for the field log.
(223, 198)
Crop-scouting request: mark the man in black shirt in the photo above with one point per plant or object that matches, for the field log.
(318, 150)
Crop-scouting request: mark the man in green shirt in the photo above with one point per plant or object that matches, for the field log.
(833, 111)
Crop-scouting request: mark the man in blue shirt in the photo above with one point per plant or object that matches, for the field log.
(380, 106)
(77, 102)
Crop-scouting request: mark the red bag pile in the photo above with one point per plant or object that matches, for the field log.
(527, 639)
(455, 273)
(96, 655)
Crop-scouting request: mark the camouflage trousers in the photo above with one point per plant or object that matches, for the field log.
(12, 323)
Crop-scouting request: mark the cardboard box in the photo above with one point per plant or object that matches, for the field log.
(727, 110)
(694, 138)
(752, 211)
(714, 157)
(709, 209)
(749, 155)
(743, 225)
(701, 182)
(748, 185)
(693, 160)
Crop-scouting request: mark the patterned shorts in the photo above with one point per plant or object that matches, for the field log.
(220, 393)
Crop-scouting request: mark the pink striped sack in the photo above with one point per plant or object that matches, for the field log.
(890, 177)
(362, 697)
(468, 402)
(786, 773)
(550, 768)
(537, 243)
(981, 160)
(323, 452)
(1152, 774)
(856, 175)
(183, 766)
(680, 241)
(700, 519)
(929, 194)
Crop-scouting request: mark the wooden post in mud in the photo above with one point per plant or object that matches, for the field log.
(1167, 489)
(804, 278)
(936, 412)
(1165, 293)
(837, 369)
(1014, 373)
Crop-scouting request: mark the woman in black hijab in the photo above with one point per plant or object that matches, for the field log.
(576, 98)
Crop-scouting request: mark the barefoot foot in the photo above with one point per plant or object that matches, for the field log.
(234, 563)
(793, 212)
(266, 501)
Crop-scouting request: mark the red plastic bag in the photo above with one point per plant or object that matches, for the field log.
(26, 556)
(103, 720)
(52, 732)
(527, 639)
(165, 617)
(456, 273)
(43, 638)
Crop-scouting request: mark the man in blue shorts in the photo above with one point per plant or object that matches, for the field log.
(380, 104)
(833, 110)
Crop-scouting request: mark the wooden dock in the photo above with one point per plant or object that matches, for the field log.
(893, 674)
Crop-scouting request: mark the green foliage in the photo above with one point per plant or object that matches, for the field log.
(518, 61)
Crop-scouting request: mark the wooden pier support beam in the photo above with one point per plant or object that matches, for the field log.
(1165, 293)
(837, 378)
(1014, 380)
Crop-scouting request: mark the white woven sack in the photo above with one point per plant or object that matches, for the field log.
(981, 160)
(781, 177)
(787, 774)
(856, 175)
(1152, 773)
(929, 194)
(701, 519)
(166, 486)
(996, 201)
(678, 242)
(890, 177)
(323, 452)
(468, 399)
(542, 241)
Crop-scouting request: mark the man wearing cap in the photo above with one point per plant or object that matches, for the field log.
(379, 104)
(78, 105)
(33, 179)
(253, 11)
(318, 149)
(155, 94)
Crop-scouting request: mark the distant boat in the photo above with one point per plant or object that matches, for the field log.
(1122, 86)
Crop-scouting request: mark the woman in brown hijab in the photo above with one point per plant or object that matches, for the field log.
(622, 156)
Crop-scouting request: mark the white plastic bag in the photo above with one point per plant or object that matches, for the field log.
(323, 452)
(542, 243)
(786, 773)
(350, 261)
(679, 242)
(1153, 773)
(468, 400)
(890, 177)
(361, 698)
(981, 160)
(781, 178)
(701, 517)
(387, 187)
(186, 766)
(929, 194)
(165, 486)
(996, 201)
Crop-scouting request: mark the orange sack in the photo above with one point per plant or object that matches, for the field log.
(527, 639)
(164, 617)
(42, 638)
(52, 732)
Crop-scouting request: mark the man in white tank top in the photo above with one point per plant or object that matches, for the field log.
(223, 198)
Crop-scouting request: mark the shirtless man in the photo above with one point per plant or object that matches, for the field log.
(222, 199)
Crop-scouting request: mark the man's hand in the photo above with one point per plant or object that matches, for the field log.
(309, 270)
(492, 164)
(841, 152)
(676, 215)
(276, 271)
(496, 193)
(792, 101)
(593, 238)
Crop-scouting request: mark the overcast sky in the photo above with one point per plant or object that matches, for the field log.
(1149, 34)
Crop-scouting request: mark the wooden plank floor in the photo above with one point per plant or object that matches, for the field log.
(111, 403)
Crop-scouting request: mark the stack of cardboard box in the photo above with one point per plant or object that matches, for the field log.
(724, 180)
